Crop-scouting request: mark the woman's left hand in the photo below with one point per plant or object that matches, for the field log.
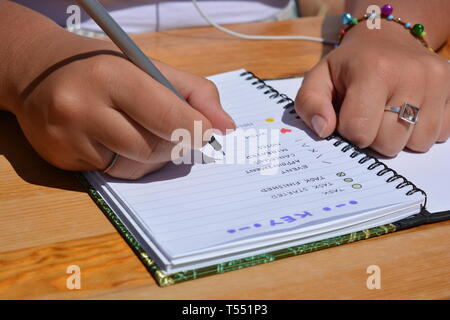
(373, 69)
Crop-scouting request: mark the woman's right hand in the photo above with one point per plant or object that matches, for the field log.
(83, 112)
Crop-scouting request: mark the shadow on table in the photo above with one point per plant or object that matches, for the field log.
(27, 163)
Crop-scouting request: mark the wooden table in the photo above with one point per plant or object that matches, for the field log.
(49, 223)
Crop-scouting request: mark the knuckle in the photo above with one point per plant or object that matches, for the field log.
(382, 65)
(210, 86)
(355, 131)
(437, 69)
(68, 163)
(371, 59)
(423, 142)
(143, 170)
(135, 175)
(418, 146)
(101, 67)
(388, 149)
(65, 108)
(302, 100)
(147, 151)
(443, 138)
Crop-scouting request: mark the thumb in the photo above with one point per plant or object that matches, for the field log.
(314, 101)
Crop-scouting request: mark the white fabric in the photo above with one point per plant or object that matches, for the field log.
(137, 16)
(174, 15)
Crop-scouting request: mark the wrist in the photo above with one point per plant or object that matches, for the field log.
(389, 33)
(24, 56)
(37, 58)
(431, 13)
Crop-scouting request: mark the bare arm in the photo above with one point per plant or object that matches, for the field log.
(20, 30)
(79, 101)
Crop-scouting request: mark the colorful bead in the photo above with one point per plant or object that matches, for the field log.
(387, 10)
(346, 18)
(418, 29)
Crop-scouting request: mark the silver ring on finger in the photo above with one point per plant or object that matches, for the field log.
(112, 163)
(407, 112)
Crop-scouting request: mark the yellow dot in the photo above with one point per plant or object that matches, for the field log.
(357, 186)
(348, 180)
(340, 174)
(270, 120)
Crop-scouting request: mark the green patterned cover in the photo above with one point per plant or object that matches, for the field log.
(164, 279)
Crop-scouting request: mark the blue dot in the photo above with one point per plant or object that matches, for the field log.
(257, 225)
(231, 231)
(327, 209)
(391, 17)
(353, 202)
(407, 25)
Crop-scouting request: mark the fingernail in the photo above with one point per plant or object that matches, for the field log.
(319, 125)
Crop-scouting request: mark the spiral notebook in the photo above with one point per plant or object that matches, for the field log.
(292, 194)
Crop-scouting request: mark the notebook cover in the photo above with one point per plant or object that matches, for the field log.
(163, 279)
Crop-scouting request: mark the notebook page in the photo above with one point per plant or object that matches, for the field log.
(430, 171)
(189, 208)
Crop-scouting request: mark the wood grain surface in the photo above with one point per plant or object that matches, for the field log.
(48, 222)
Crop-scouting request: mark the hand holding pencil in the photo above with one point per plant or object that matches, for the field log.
(83, 101)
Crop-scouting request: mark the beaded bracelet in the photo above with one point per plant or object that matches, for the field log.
(418, 30)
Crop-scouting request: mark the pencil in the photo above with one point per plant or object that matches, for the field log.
(101, 16)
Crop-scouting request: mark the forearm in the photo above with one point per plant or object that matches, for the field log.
(20, 30)
(31, 44)
(433, 14)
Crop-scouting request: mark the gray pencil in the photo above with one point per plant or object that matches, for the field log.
(99, 14)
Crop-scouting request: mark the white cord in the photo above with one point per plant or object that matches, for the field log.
(256, 37)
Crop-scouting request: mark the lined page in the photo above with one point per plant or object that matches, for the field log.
(429, 171)
(193, 207)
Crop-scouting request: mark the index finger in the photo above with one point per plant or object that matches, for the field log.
(154, 106)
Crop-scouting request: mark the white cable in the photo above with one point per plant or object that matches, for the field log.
(256, 37)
